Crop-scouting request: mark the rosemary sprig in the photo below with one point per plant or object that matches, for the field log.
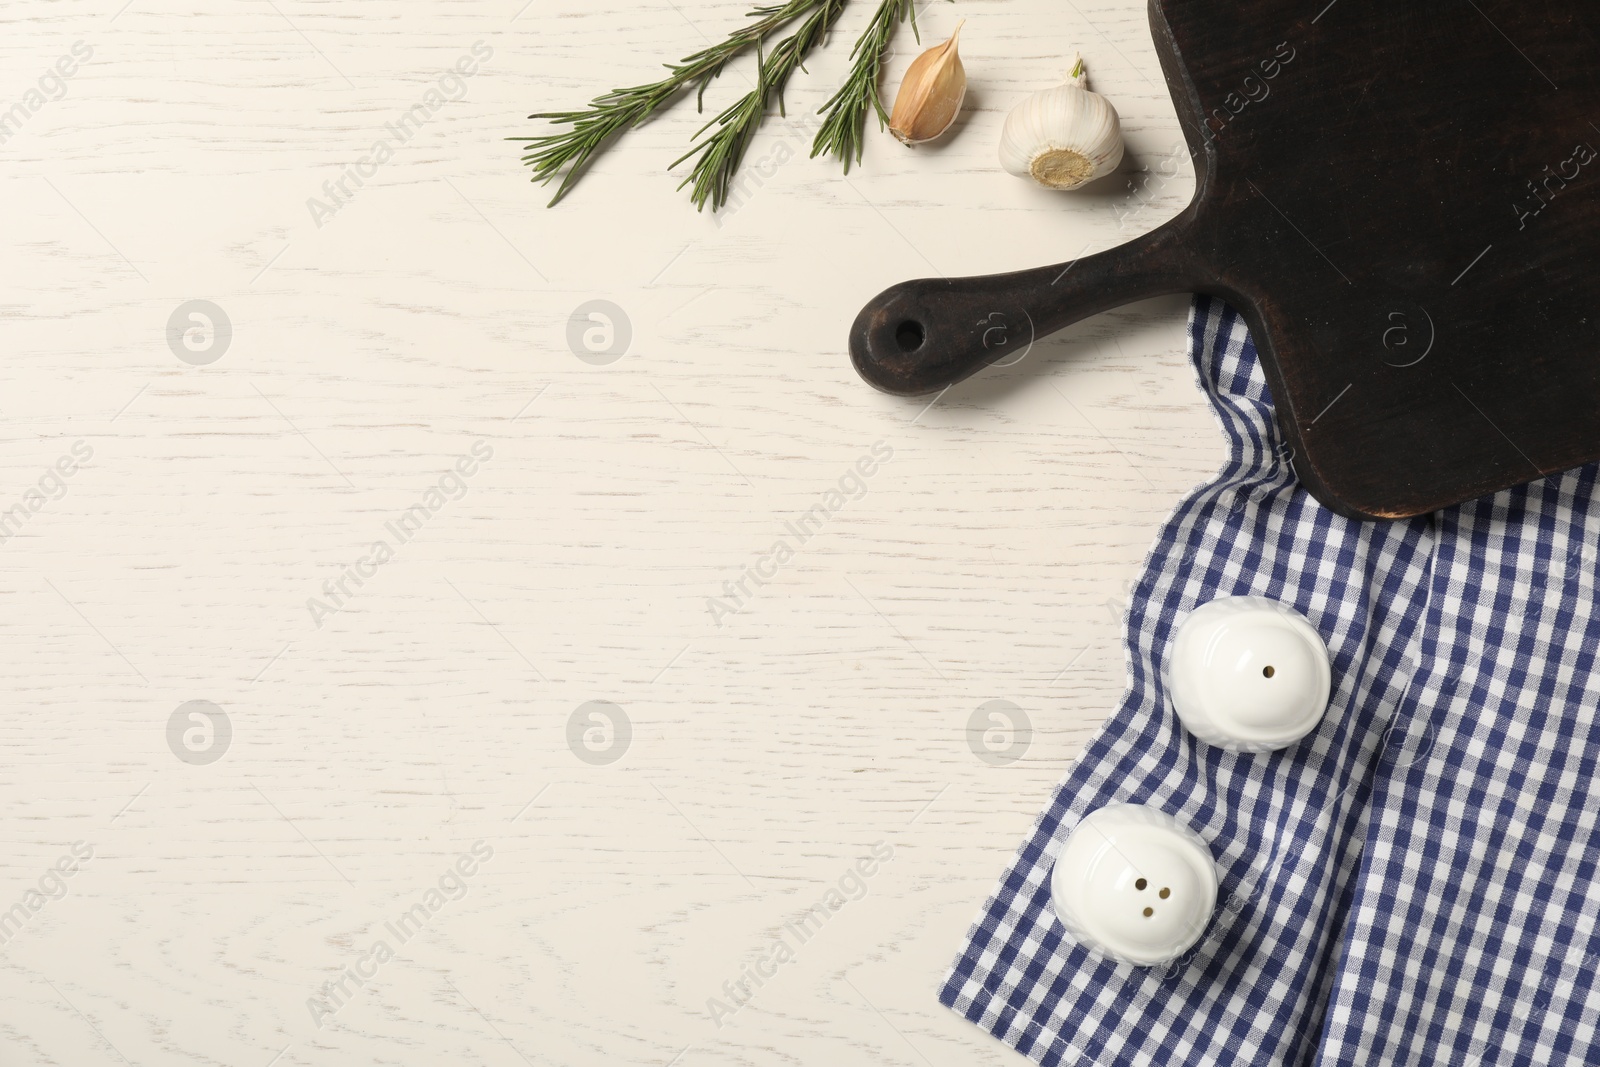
(846, 110)
(721, 152)
(613, 113)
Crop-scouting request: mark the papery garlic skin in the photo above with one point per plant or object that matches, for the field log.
(930, 96)
(1062, 137)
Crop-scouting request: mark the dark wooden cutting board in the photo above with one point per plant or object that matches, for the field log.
(1403, 201)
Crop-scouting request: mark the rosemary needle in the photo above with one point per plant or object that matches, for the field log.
(846, 110)
(721, 152)
(613, 113)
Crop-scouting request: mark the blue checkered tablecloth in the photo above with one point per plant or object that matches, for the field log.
(1415, 882)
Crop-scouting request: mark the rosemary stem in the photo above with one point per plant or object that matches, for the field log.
(846, 111)
(721, 152)
(614, 113)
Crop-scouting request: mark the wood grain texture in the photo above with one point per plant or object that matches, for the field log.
(987, 560)
(1353, 170)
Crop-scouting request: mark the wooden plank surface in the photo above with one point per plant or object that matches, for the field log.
(184, 527)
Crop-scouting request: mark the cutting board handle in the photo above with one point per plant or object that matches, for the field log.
(920, 336)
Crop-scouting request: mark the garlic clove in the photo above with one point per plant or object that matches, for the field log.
(930, 95)
(1063, 137)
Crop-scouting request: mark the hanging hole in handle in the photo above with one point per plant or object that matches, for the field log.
(909, 335)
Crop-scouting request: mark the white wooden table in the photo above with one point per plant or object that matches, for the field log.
(241, 872)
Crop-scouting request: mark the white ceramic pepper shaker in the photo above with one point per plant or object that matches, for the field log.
(1248, 673)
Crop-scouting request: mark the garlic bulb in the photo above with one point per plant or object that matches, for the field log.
(1062, 137)
(930, 96)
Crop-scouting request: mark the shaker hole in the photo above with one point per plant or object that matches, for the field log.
(1165, 893)
(1140, 884)
(1149, 912)
(1267, 672)
(909, 335)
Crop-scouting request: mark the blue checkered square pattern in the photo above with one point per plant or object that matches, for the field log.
(1415, 882)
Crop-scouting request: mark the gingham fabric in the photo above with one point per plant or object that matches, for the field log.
(1413, 883)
